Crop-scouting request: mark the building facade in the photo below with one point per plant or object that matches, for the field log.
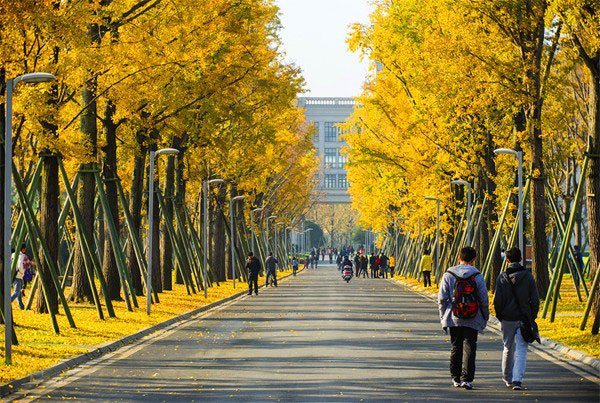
(325, 113)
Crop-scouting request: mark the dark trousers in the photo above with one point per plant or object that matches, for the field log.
(426, 278)
(462, 355)
(253, 279)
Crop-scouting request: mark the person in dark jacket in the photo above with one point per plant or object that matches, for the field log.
(271, 268)
(364, 262)
(373, 264)
(253, 265)
(509, 312)
(383, 265)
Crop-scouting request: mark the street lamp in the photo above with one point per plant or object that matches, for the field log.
(232, 237)
(307, 239)
(468, 185)
(8, 157)
(269, 218)
(519, 155)
(206, 183)
(437, 236)
(153, 156)
(277, 225)
(252, 224)
(285, 242)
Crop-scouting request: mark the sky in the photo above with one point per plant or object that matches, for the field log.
(314, 38)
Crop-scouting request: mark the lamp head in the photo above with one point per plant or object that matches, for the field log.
(167, 151)
(257, 209)
(505, 151)
(236, 198)
(431, 198)
(272, 217)
(35, 78)
(212, 181)
(459, 182)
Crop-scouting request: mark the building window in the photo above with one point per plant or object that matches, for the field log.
(330, 181)
(342, 159)
(332, 132)
(343, 181)
(316, 135)
(331, 157)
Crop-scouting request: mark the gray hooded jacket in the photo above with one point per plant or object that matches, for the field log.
(445, 299)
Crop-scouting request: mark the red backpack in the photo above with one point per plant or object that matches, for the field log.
(465, 303)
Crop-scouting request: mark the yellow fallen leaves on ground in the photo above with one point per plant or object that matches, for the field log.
(40, 348)
(565, 328)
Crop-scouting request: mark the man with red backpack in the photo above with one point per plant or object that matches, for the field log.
(464, 308)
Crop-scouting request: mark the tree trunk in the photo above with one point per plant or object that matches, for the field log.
(165, 241)
(135, 208)
(218, 239)
(593, 184)
(80, 287)
(49, 212)
(109, 172)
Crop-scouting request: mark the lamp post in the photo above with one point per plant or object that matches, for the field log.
(285, 242)
(468, 185)
(252, 224)
(307, 239)
(437, 236)
(8, 157)
(232, 237)
(275, 238)
(206, 183)
(519, 155)
(153, 156)
(268, 219)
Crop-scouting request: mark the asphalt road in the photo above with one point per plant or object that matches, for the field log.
(312, 339)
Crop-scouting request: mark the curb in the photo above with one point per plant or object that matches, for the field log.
(110, 346)
(551, 347)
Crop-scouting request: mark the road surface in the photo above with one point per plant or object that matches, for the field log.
(312, 339)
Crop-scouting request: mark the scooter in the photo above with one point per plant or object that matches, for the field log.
(347, 273)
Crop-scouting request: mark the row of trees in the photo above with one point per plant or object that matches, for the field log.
(203, 76)
(458, 79)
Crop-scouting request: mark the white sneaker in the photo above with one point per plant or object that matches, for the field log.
(456, 384)
(467, 385)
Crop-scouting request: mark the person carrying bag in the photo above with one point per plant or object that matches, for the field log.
(517, 303)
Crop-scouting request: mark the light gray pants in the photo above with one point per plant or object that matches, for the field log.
(514, 355)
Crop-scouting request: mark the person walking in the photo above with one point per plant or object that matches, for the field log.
(364, 262)
(295, 265)
(392, 265)
(271, 268)
(253, 266)
(373, 265)
(516, 295)
(383, 265)
(464, 309)
(425, 267)
(357, 264)
(18, 281)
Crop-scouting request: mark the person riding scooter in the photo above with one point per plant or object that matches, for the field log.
(347, 271)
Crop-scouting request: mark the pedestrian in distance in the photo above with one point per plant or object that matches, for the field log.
(295, 265)
(373, 265)
(579, 262)
(383, 265)
(464, 310)
(18, 281)
(516, 295)
(364, 262)
(392, 265)
(377, 266)
(254, 267)
(425, 267)
(271, 268)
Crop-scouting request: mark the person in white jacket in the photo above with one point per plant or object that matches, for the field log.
(18, 281)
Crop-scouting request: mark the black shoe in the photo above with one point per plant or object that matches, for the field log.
(517, 386)
(250, 293)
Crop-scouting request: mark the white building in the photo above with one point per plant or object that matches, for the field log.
(325, 113)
